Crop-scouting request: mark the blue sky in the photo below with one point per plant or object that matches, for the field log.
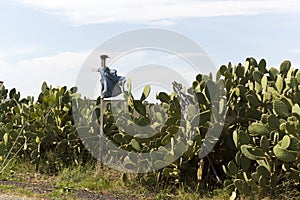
(49, 40)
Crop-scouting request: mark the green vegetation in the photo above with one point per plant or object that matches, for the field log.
(67, 183)
(258, 151)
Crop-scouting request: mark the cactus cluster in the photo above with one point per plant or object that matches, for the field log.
(259, 145)
(265, 131)
(163, 136)
(41, 131)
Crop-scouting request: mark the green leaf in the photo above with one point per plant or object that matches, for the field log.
(262, 65)
(159, 116)
(166, 140)
(226, 171)
(263, 171)
(233, 193)
(246, 67)
(232, 167)
(2, 149)
(126, 138)
(139, 107)
(285, 66)
(273, 122)
(34, 154)
(245, 163)
(243, 138)
(253, 101)
(192, 110)
(118, 138)
(201, 98)
(242, 186)
(257, 76)
(128, 164)
(5, 138)
(180, 148)
(281, 109)
(264, 143)
(264, 83)
(252, 153)
(44, 87)
(293, 83)
(222, 70)
(258, 87)
(159, 164)
(298, 76)
(279, 84)
(201, 118)
(252, 62)
(199, 78)
(135, 145)
(25, 147)
(285, 142)
(284, 154)
(294, 144)
(76, 95)
(264, 164)
(273, 72)
(129, 85)
(235, 138)
(240, 137)
(257, 129)
(146, 92)
(296, 109)
(12, 93)
(163, 97)
(239, 71)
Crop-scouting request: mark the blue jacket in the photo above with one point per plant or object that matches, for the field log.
(111, 82)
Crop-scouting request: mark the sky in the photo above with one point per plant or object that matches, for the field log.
(42, 40)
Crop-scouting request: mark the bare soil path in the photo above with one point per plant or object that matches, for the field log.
(47, 189)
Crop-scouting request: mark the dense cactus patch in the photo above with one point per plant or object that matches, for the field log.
(258, 149)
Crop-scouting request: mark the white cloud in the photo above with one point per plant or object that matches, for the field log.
(27, 75)
(15, 52)
(60, 62)
(161, 12)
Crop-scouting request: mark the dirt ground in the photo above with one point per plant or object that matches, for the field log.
(12, 197)
(47, 189)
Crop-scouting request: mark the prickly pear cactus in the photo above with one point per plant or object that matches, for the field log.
(258, 148)
(41, 131)
(264, 122)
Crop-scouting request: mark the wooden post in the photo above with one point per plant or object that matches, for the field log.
(101, 140)
(101, 132)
